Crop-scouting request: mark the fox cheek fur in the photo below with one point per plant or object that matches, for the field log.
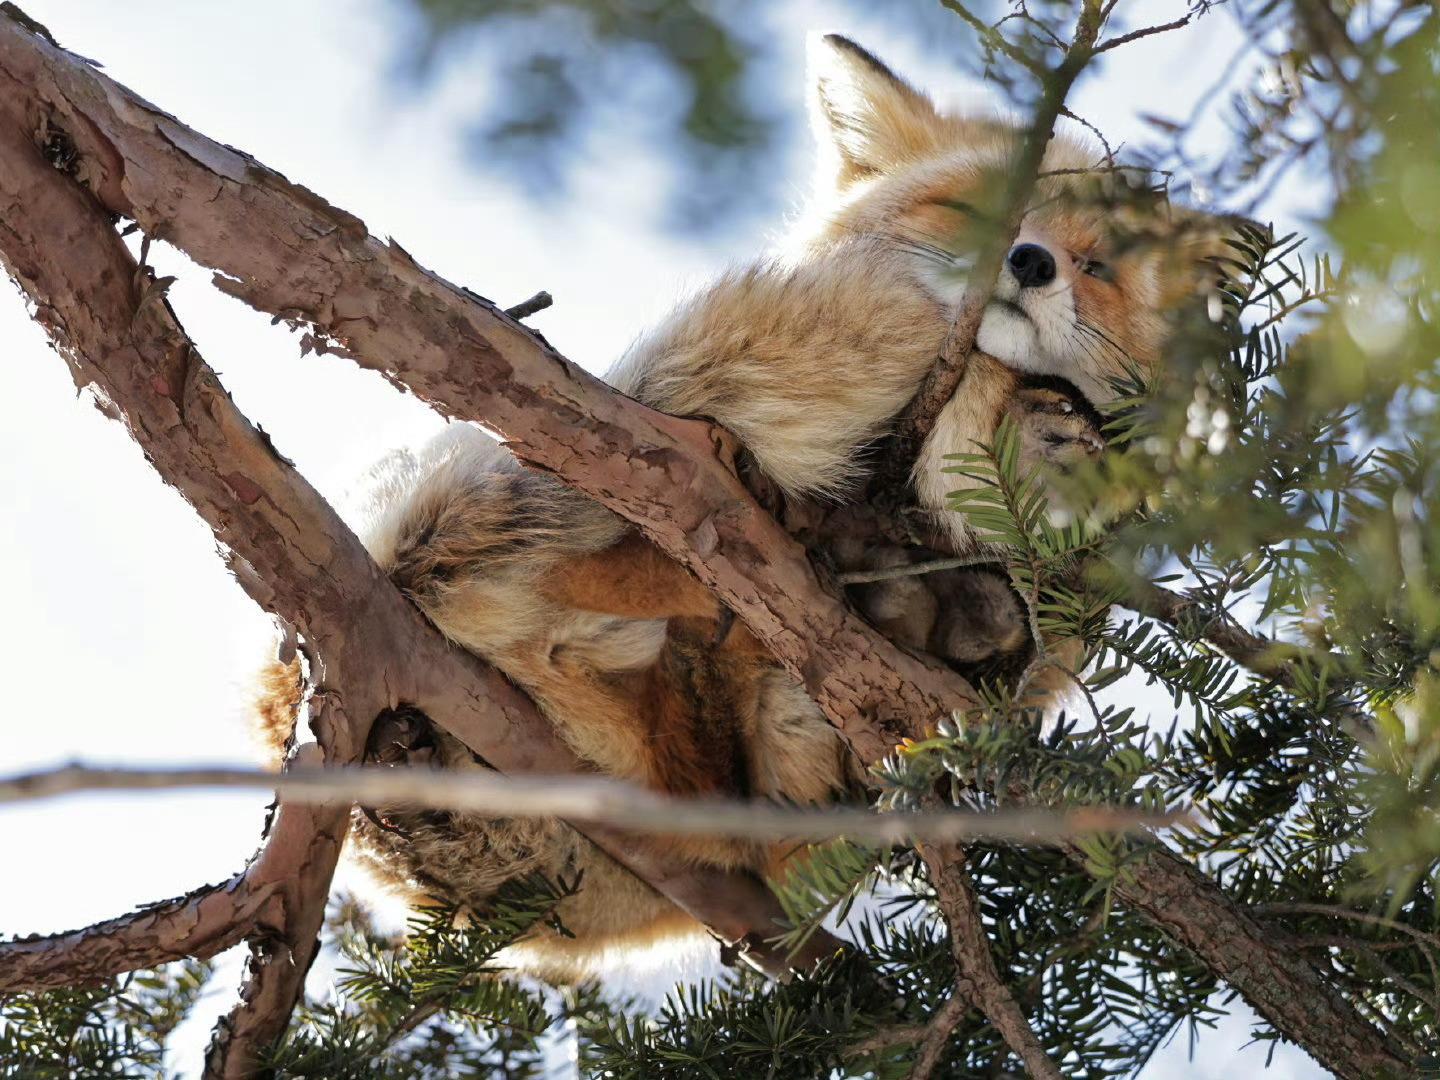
(807, 357)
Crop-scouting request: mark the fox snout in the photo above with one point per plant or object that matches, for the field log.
(1032, 265)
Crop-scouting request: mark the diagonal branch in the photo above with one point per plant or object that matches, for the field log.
(1144, 32)
(940, 385)
(978, 980)
(370, 647)
(201, 923)
(1280, 984)
(283, 948)
(1281, 661)
(285, 251)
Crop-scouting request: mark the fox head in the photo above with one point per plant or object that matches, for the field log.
(1084, 289)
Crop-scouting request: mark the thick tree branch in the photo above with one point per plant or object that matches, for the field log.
(1278, 982)
(284, 250)
(599, 800)
(372, 650)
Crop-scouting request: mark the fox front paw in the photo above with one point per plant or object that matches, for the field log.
(1059, 428)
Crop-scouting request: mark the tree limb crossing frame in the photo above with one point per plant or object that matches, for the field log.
(284, 250)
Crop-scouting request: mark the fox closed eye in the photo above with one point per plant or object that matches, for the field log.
(1095, 268)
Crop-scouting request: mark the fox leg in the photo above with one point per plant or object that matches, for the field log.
(632, 579)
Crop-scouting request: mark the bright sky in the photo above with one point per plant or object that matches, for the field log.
(127, 641)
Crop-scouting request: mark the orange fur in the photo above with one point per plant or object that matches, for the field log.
(806, 357)
(634, 579)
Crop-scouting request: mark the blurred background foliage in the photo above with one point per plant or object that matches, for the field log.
(689, 85)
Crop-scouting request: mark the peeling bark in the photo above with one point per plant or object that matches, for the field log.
(370, 647)
(284, 250)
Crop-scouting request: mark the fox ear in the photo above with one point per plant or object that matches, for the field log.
(866, 118)
(1207, 247)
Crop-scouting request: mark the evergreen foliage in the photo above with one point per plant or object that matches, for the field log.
(1281, 475)
(116, 1030)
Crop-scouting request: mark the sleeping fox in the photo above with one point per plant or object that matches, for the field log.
(806, 357)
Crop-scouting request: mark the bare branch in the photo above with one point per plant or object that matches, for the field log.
(286, 546)
(1429, 944)
(995, 38)
(978, 981)
(599, 800)
(932, 566)
(1136, 35)
(281, 951)
(949, 369)
(885, 1038)
(201, 923)
(523, 310)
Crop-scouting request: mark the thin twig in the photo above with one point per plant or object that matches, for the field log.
(1335, 912)
(1136, 35)
(885, 1038)
(944, 378)
(933, 566)
(995, 38)
(1276, 660)
(599, 800)
(1371, 951)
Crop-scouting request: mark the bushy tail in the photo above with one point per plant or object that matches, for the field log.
(279, 689)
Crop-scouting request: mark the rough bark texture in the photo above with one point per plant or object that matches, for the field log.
(285, 251)
(979, 981)
(201, 923)
(371, 649)
(1276, 980)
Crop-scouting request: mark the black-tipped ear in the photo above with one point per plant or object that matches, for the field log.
(867, 119)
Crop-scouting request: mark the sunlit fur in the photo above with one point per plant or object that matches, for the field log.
(807, 356)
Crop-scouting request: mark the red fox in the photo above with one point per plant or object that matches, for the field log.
(806, 357)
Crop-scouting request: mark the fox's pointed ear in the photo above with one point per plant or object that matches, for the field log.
(867, 119)
(1208, 249)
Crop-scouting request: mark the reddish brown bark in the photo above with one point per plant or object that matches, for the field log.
(201, 923)
(979, 982)
(370, 647)
(286, 251)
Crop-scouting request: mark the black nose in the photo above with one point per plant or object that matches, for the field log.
(1032, 264)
